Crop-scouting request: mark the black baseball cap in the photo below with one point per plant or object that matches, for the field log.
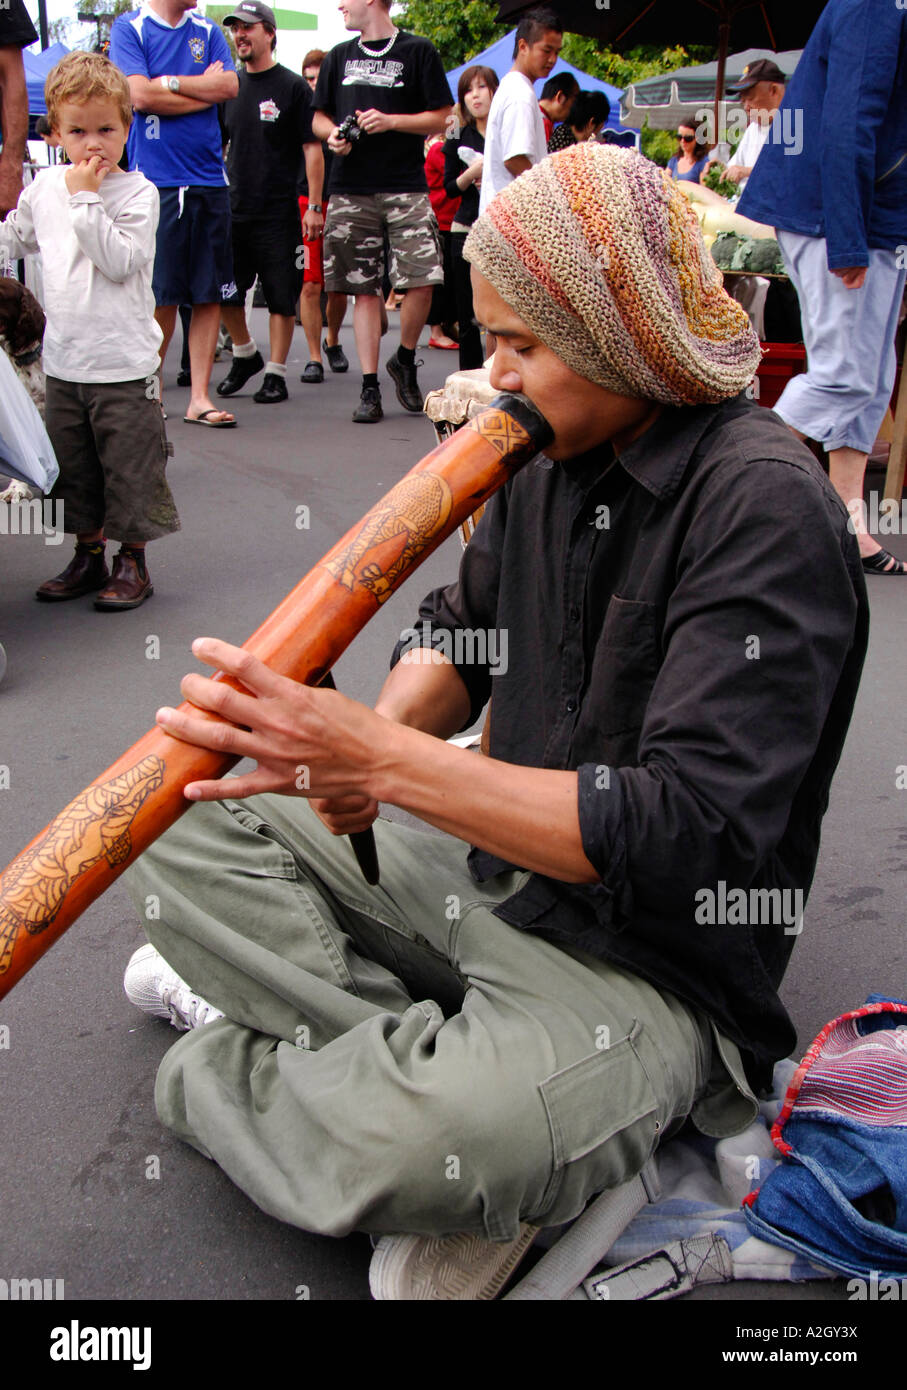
(250, 12)
(762, 70)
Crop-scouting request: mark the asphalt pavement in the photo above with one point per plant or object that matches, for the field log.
(78, 1133)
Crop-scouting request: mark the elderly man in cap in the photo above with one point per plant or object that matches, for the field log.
(267, 128)
(761, 90)
(475, 1047)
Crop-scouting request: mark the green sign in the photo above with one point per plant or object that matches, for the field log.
(295, 19)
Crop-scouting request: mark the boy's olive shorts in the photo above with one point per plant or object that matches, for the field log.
(112, 450)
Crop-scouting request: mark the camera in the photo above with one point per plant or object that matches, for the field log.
(349, 129)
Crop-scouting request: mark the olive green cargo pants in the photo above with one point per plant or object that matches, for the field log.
(397, 1058)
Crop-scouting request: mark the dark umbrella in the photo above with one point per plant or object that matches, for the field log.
(620, 24)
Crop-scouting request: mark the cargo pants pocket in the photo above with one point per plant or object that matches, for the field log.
(603, 1123)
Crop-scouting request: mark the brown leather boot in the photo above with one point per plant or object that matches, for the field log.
(86, 571)
(129, 584)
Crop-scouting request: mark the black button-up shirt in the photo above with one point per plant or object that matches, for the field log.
(684, 625)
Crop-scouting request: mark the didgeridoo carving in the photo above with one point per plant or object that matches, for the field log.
(113, 820)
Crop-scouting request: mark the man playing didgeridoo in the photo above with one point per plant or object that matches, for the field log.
(685, 618)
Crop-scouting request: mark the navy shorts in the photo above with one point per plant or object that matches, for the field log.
(271, 247)
(193, 259)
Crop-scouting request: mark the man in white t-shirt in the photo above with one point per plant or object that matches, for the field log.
(761, 88)
(515, 137)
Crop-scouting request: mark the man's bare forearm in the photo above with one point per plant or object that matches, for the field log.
(424, 692)
(210, 87)
(518, 164)
(528, 816)
(13, 105)
(322, 124)
(314, 170)
(525, 815)
(423, 122)
(195, 94)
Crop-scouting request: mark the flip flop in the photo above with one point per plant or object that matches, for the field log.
(210, 424)
(883, 562)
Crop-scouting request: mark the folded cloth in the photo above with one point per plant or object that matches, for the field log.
(840, 1193)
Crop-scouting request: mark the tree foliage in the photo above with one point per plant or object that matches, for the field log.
(459, 29)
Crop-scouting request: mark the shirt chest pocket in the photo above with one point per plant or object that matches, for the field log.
(624, 666)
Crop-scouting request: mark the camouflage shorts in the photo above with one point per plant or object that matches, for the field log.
(354, 238)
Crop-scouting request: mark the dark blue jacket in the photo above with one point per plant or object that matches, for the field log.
(849, 181)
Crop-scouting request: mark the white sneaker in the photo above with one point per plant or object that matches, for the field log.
(460, 1266)
(154, 988)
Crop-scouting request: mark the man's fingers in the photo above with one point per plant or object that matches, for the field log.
(221, 699)
(206, 733)
(236, 661)
(227, 789)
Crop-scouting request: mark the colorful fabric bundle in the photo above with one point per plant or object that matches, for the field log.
(840, 1196)
(602, 258)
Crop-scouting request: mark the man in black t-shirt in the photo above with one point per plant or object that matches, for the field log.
(394, 85)
(16, 33)
(265, 127)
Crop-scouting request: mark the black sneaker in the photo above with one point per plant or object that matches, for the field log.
(368, 411)
(404, 379)
(337, 358)
(272, 389)
(242, 369)
(313, 374)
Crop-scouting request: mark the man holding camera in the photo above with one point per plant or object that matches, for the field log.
(377, 98)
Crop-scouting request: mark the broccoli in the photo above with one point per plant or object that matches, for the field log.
(763, 257)
(741, 255)
(723, 249)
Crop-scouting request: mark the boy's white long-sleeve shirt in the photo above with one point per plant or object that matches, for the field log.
(97, 251)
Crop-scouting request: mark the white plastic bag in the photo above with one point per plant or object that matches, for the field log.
(25, 450)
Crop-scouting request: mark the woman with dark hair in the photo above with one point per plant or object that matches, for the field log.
(463, 159)
(587, 117)
(691, 158)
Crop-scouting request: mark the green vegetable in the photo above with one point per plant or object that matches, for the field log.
(715, 180)
(764, 257)
(723, 249)
(741, 255)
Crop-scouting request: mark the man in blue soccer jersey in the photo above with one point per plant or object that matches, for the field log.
(179, 67)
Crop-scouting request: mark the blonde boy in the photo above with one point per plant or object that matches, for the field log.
(94, 225)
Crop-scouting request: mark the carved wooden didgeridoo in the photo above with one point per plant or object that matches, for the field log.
(76, 858)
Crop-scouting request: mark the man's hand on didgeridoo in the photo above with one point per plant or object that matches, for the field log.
(307, 742)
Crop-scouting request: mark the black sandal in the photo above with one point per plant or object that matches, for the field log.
(879, 563)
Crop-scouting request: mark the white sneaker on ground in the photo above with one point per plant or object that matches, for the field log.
(154, 988)
(463, 1266)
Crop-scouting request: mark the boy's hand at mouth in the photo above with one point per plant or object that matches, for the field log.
(88, 175)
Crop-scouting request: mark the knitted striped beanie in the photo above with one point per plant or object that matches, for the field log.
(602, 258)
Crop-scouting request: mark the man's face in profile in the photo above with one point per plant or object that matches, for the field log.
(543, 54)
(581, 414)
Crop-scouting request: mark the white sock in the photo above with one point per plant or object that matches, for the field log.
(245, 349)
(276, 369)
